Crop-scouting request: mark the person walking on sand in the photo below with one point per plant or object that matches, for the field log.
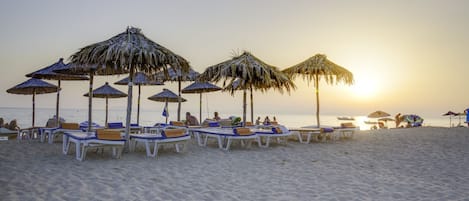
(398, 119)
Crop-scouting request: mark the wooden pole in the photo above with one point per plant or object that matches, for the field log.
(34, 106)
(200, 108)
(90, 98)
(57, 118)
(252, 106)
(129, 105)
(105, 124)
(244, 107)
(138, 105)
(179, 99)
(317, 99)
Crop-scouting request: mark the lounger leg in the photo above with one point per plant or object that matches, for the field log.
(80, 154)
(148, 149)
(177, 147)
(228, 143)
(65, 144)
(155, 151)
(220, 142)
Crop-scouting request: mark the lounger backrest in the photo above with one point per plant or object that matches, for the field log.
(277, 130)
(176, 123)
(71, 126)
(173, 132)
(347, 125)
(112, 125)
(107, 134)
(242, 131)
(274, 123)
(248, 123)
(213, 124)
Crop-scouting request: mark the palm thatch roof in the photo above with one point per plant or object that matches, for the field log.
(317, 67)
(200, 87)
(248, 72)
(140, 78)
(33, 86)
(166, 96)
(106, 91)
(49, 74)
(127, 50)
(174, 75)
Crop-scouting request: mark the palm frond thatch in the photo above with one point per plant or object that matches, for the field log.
(49, 73)
(318, 66)
(247, 72)
(130, 49)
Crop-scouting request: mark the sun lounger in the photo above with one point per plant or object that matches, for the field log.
(85, 140)
(166, 136)
(51, 133)
(346, 130)
(280, 133)
(225, 136)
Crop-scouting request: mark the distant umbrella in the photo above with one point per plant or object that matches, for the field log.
(130, 52)
(106, 91)
(251, 73)
(378, 114)
(140, 79)
(176, 75)
(450, 113)
(48, 73)
(33, 86)
(319, 67)
(200, 87)
(166, 96)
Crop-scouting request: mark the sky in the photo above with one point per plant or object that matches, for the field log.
(407, 56)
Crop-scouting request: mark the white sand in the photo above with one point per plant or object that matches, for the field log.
(395, 164)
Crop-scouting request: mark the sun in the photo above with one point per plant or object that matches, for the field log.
(365, 88)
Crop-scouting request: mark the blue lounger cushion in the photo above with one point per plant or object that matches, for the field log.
(113, 125)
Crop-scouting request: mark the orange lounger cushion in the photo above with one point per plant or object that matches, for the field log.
(242, 131)
(277, 130)
(106, 134)
(71, 126)
(170, 132)
(176, 123)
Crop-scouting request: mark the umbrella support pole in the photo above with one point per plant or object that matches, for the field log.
(316, 82)
(200, 108)
(179, 100)
(57, 105)
(138, 105)
(34, 106)
(90, 101)
(244, 107)
(105, 124)
(252, 106)
(129, 109)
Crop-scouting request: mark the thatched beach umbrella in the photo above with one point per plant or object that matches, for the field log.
(140, 79)
(48, 73)
(129, 52)
(33, 86)
(249, 70)
(450, 114)
(176, 75)
(279, 81)
(106, 91)
(319, 67)
(378, 114)
(167, 96)
(200, 87)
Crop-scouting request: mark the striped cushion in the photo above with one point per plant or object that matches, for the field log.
(242, 131)
(71, 126)
(170, 132)
(107, 134)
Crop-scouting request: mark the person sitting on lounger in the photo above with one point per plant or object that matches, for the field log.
(191, 120)
(216, 117)
(266, 120)
(258, 121)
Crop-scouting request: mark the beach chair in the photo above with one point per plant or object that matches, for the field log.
(174, 136)
(225, 136)
(101, 138)
(346, 130)
(280, 133)
(52, 133)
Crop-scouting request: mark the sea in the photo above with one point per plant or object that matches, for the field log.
(150, 117)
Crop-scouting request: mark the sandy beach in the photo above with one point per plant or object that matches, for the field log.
(393, 164)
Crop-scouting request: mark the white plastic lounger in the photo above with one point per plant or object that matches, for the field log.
(52, 132)
(344, 133)
(281, 133)
(225, 136)
(160, 138)
(85, 140)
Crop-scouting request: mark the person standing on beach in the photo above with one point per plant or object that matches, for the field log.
(398, 119)
(466, 111)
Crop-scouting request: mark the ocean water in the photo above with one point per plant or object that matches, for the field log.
(150, 117)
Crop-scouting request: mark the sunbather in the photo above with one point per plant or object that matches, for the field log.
(191, 120)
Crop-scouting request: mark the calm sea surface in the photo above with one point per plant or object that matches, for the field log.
(150, 117)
